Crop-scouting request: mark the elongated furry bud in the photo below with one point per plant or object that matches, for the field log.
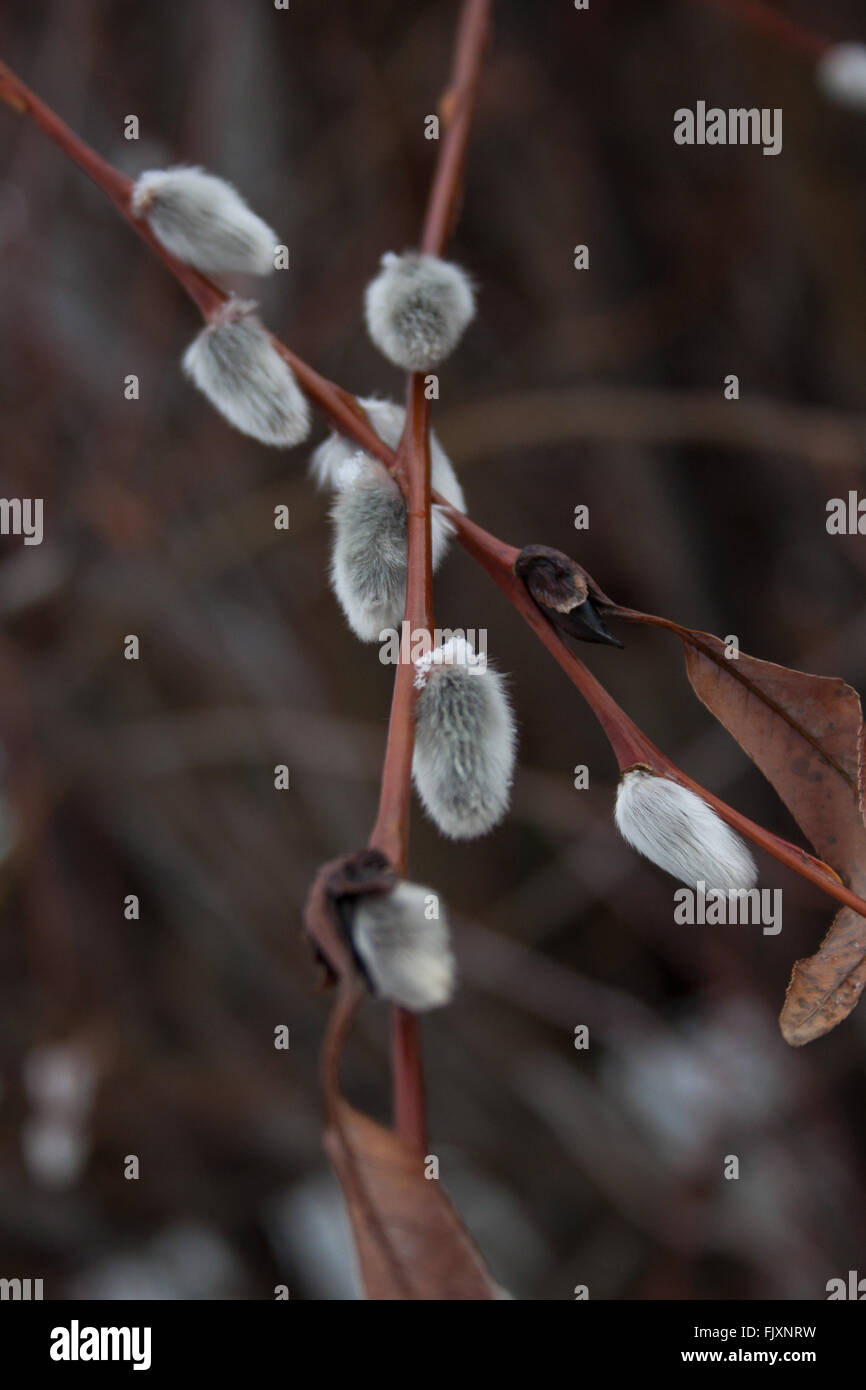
(679, 832)
(368, 563)
(842, 74)
(235, 364)
(203, 221)
(465, 741)
(405, 949)
(335, 463)
(417, 308)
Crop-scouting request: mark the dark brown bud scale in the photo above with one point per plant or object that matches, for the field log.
(564, 592)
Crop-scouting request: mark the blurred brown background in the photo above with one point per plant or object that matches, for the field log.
(156, 777)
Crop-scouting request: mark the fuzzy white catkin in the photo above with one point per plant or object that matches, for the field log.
(465, 739)
(368, 562)
(235, 364)
(417, 308)
(678, 831)
(841, 74)
(204, 221)
(406, 952)
(335, 464)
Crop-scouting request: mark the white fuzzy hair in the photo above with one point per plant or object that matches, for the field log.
(204, 221)
(334, 464)
(368, 560)
(235, 364)
(407, 956)
(676, 829)
(465, 740)
(417, 308)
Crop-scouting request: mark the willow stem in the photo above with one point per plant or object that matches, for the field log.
(411, 465)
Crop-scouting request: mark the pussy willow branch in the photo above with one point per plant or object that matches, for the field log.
(115, 185)
(391, 831)
(457, 108)
(629, 743)
(337, 405)
(345, 414)
(412, 463)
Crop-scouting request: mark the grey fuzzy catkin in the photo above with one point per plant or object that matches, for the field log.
(465, 739)
(406, 951)
(204, 221)
(677, 830)
(417, 308)
(368, 562)
(235, 364)
(334, 463)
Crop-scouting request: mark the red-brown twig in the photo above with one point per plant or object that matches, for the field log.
(391, 831)
(457, 108)
(337, 405)
(111, 181)
(412, 467)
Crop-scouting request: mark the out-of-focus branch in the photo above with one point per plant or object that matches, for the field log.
(768, 20)
(639, 415)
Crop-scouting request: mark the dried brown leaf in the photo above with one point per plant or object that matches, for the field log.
(365, 871)
(806, 735)
(802, 731)
(824, 988)
(410, 1241)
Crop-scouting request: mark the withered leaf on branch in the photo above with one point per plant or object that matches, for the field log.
(805, 733)
(825, 987)
(409, 1240)
(802, 731)
(365, 871)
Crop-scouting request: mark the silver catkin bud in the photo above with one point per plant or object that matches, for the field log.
(235, 364)
(465, 739)
(368, 562)
(335, 461)
(403, 941)
(417, 308)
(676, 829)
(204, 221)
